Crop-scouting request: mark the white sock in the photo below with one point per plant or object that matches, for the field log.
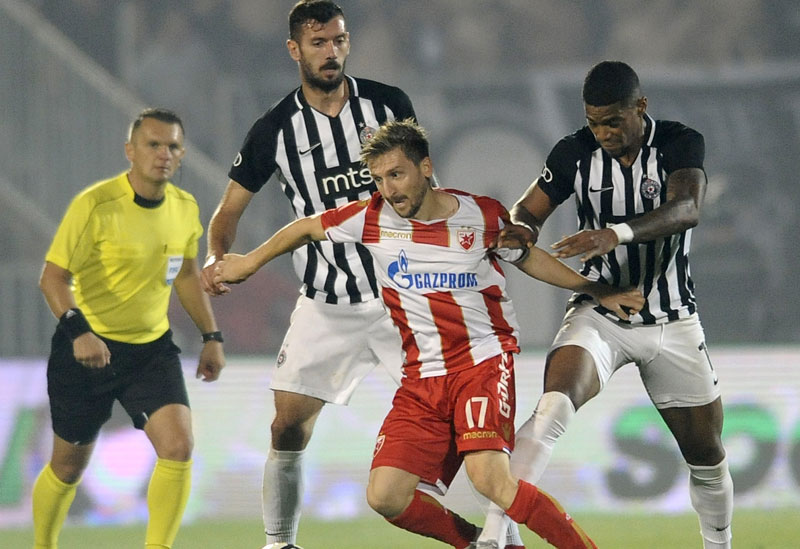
(532, 451)
(711, 492)
(282, 495)
(537, 436)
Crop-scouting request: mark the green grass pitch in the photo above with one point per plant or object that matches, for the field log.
(769, 529)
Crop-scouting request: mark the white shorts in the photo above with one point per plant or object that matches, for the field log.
(672, 357)
(329, 349)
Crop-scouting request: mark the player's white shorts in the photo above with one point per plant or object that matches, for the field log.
(672, 358)
(329, 349)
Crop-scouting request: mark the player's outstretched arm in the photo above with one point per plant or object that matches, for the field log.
(542, 266)
(236, 268)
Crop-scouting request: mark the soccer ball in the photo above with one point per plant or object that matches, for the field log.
(282, 545)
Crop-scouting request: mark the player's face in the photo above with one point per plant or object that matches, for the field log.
(403, 184)
(321, 53)
(155, 150)
(618, 128)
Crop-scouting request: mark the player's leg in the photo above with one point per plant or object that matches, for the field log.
(170, 431)
(54, 490)
(309, 373)
(684, 387)
(282, 483)
(490, 472)
(393, 493)
(415, 446)
(698, 433)
(580, 362)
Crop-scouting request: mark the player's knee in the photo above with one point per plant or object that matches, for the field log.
(485, 481)
(385, 501)
(289, 436)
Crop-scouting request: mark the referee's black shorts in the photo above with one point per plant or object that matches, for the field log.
(143, 377)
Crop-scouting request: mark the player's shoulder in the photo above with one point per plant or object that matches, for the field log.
(485, 204)
(578, 144)
(667, 131)
(372, 89)
(280, 111)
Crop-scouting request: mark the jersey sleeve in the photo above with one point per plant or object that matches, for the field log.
(345, 223)
(74, 238)
(255, 162)
(557, 179)
(685, 148)
(401, 106)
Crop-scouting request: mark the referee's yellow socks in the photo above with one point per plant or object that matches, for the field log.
(51, 501)
(167, 495)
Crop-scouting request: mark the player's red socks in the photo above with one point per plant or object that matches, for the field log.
(541, 513)
(426, 516)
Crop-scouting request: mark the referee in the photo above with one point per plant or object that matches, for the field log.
(122, 246)
(638, 184)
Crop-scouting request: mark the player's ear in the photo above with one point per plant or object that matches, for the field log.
(426, 165)
(641, 106)
(294, 49)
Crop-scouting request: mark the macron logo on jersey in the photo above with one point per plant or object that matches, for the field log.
(398, 273)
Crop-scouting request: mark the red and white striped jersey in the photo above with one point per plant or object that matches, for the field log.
(442, 288)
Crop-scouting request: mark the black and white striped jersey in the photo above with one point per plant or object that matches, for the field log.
(316, 160)
(607, 193)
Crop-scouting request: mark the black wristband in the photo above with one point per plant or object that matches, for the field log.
(73, 323)
(212, 336)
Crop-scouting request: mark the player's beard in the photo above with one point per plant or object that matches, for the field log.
(414, 204)
(323, 84)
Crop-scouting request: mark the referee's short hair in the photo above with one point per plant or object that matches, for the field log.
(305, 11)
(160, 114)
(611, 82)
(406, 135)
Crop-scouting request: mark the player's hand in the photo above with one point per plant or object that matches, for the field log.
(207, 279)
(233, 268)
(91, 351)
(212, 361)
(590, 243)
(515, 237)
(623, 302)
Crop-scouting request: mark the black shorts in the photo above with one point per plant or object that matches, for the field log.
(143, 377)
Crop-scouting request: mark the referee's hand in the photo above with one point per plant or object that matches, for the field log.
(91, 351)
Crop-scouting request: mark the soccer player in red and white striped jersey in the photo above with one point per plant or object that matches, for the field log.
(437, 264)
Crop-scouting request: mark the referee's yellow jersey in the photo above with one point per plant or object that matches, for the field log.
(124, 256)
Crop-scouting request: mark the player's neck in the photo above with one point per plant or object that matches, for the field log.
(437, 205)
(328, 103)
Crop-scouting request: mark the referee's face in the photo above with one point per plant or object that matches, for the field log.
(155, 151)
(321, 53)
(618, 128)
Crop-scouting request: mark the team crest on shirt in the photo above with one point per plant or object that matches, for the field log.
(378, 444)
(366, 134)
(650, 188)
(466, 237)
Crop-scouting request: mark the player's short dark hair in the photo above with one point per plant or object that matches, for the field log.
(611, 82)
(160, 114)
(305, 11)
(406, 135)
